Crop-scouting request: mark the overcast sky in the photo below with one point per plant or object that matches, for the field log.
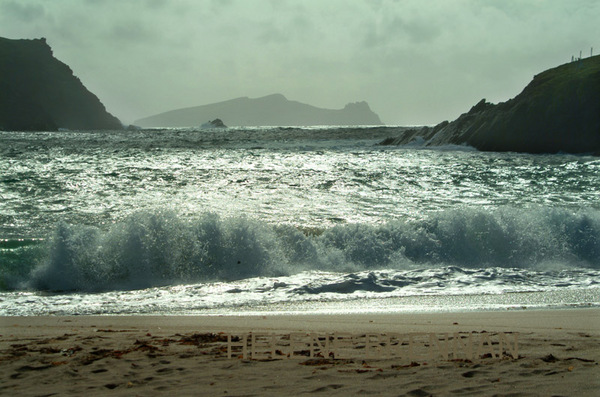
(414, 62)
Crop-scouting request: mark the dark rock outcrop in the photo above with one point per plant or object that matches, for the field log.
(271, 110)
(38, 92)
(216, 123)
(559, 111)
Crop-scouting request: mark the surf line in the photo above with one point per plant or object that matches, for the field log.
(415, 347)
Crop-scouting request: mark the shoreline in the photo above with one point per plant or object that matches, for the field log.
(129, 303)
(563, 318)
(559, 354)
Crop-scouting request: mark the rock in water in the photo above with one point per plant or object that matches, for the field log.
(559, 111)
(216, 123)
(38, 92)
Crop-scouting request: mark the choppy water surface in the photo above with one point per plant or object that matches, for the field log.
(186, 221)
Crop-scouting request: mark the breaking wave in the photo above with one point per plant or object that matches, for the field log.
(150, 249)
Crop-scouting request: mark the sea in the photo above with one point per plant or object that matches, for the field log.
(294, 220)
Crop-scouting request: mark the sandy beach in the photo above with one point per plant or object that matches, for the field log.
(558, 355)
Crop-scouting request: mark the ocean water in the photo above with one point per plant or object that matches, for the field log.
(294, 220)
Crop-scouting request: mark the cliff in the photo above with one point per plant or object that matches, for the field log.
(38, 92)
(272, 110)
(559, 111)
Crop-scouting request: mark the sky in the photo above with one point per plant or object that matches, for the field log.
(415, 62)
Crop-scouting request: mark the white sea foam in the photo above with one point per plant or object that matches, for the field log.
(151, 249)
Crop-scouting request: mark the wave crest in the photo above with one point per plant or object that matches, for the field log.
(152, 249)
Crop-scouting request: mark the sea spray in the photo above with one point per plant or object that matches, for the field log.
(162, 248)
(153, 249)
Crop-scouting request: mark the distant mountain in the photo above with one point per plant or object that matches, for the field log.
(271, 110)
(38, 92)
(559, 111)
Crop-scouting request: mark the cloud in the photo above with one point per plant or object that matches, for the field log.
(126, 30)
(22, 12)
(396, 27)
(413, 61)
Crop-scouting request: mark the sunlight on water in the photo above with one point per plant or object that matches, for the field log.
(120, 211)
(86, 178)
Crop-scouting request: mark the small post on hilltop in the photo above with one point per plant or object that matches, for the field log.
(591, 52)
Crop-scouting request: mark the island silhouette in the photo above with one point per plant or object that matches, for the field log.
(270, 110)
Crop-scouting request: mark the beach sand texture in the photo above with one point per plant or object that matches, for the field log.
(559, 355)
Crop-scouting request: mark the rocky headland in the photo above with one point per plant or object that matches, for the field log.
(271, 110)
(559, 111)
(39, 92)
